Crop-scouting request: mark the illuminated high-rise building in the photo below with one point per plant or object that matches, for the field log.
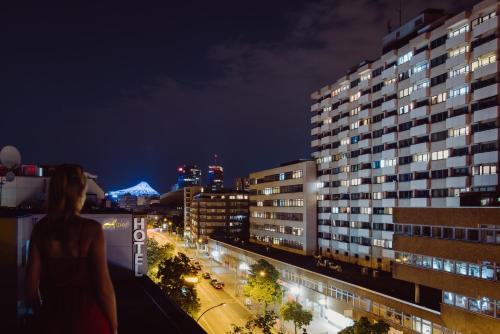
(188, 176)
(215, 176)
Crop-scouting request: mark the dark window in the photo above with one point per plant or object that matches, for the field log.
(377, 87)
(376, 72)
(405, 160)
(378, 148)
(438, 136)
(405, 177)
(354, 83)
(405, 126)
(439, 79)
(439, 60)
(405, 142)
(438, 41)
(378, 133)
(377, 103)
(442, 116)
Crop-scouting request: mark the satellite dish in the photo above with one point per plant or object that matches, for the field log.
(10, 176)
(10, 157)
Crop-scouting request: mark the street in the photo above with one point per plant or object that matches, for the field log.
(219, 319)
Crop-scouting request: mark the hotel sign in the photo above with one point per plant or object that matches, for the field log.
(139, 246)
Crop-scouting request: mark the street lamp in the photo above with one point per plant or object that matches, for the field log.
(262, 273)
(211, 308)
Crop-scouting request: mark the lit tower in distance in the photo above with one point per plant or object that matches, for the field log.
(215, 176)
(188, 175)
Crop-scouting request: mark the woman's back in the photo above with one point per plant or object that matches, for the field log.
(67, 282)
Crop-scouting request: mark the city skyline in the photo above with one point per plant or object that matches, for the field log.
(114, 92)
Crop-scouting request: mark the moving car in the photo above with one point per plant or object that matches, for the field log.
(206, 275)
(216, 284)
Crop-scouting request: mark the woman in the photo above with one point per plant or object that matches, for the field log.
(67, 279)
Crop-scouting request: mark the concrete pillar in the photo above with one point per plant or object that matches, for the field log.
(417, 293)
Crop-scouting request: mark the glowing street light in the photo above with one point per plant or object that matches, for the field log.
(262, 273)
(295, 291)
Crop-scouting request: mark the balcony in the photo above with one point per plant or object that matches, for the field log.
(389, 105)
(457, 182)
(459, 141)
(486, 26)
(419, 166)
(419, 76)
(461, 161)
(485, 48)
(364, 143)
(419, 148)
(461, 59)
(420, 57)
(389, 202)
(485, 158)
(363, 99)
(485, 180)
(420, 112)
(419, 130)
(389, 89)
(457, 121)
(388, 121)
(457, 80)
(419, 202)
(485, 136)
(485, 92)
(384, 219)
(389, 72)
(389, 154)
(389, 186)
(420, 94)
(389, 137)
(485, 114)
(485, 70)
(457, 101)
(453, 42)
(420, 184)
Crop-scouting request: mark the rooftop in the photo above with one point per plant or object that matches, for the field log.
(351, 273)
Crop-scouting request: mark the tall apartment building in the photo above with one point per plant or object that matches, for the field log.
(188, 196)
(455, 250)
(283, 207)
(222, 214)
(414, 128)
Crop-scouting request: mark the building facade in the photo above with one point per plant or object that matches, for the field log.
(241, 184)
(283, 207)
(188, 176)
(188, 194)
(455, 250)
(414, 128)
(222, 214)
(215, 178)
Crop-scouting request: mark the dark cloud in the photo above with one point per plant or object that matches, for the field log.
(154, 101)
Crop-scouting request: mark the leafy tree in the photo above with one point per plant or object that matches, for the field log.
(262, 283)
(293, 311)
(171, 280)
(364, 326)
(264, 322)
(157, 252)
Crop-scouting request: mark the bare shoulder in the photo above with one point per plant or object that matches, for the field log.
(91, 226)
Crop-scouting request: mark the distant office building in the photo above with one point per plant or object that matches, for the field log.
(215, 177)
(242, 184)
(283, 207)
(455, 250)
(188, 175)
(416, 127)
(222, 214)
(134, 198)
(188, 196)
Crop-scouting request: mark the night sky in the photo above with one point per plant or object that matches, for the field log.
(133, 91)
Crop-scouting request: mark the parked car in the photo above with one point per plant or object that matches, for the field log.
(216, 284)
(206, 275)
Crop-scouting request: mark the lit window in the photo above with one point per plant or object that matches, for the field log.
(420, 67)
(484, 60)
(458, 91)
(405, 92)
(405, 58)
(484, 170)
(354, 97)
(438, 98)
(405, 109)
(439, 155)
(459, 71)
(421, 157)
(458, 132)
(458, 31)
(458, 51)
(355, 111)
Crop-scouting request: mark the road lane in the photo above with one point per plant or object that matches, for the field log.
(218, 320)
